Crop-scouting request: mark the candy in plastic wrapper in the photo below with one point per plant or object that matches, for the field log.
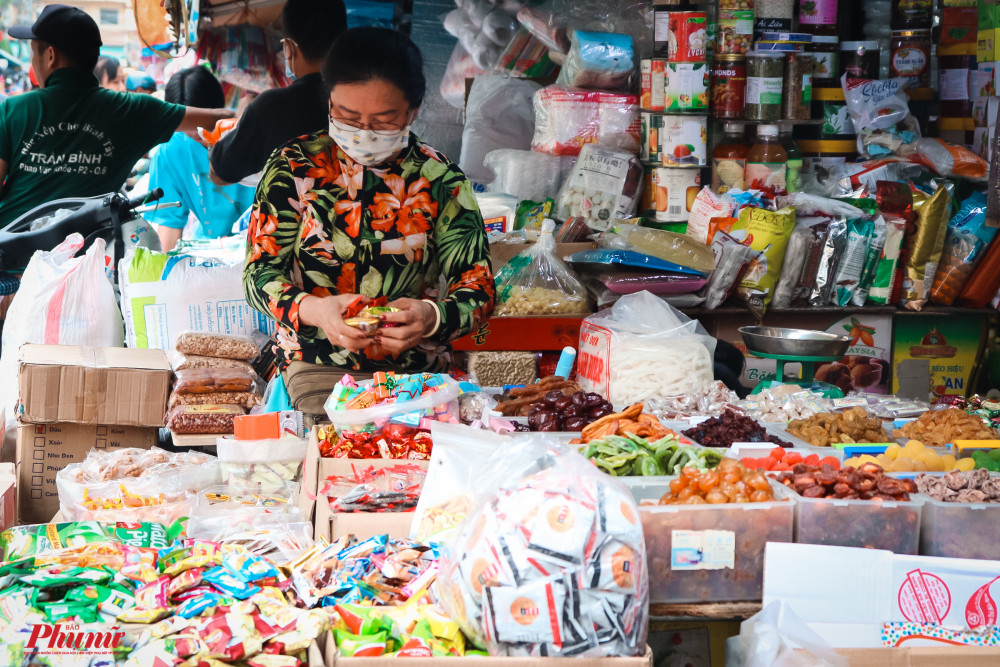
(228, 584)
(272, 660)
(531, 613)
(357, 646)
(508, 577)
(136, 615)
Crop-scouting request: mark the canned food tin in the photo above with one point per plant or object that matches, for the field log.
(669, 193)
(652, 82)
(674, 141)
(686, 86)
(735, 32)
(728, 86)
(681, 37)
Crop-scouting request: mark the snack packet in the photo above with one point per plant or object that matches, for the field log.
(924, 246)
(767, 232)
(966, 242)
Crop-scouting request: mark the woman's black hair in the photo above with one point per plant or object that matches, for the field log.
(195, 87)
(106, 66)
(368, 54)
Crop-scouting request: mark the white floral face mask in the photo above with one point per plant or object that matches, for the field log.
(368, 147)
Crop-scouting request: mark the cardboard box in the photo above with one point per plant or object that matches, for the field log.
(333, 660)
(500, 253)
(966, 656)
(8, 495)
(988, 45)
(987, 15)
(334, 525)
(876, 587)
(953, 344)
(88, 385)
(45, 449)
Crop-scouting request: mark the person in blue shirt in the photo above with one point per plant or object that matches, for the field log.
(181, 168)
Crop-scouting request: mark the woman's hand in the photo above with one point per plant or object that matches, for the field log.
(327, 313)
(414, 320)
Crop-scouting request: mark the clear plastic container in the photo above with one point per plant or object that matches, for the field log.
(266, 466)
(754, 525)
(960, 530)
(872, 524)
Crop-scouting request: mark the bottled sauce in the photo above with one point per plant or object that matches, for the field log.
(729, 159)
(912, 14)
(826, 61)
(910, 55)
(793, 168)
(767, 160)
(818, 17)
(859, 60)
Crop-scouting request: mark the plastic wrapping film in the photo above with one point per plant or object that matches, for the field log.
(567, 118)
(527, 175)
(537, 282)
(499, 114)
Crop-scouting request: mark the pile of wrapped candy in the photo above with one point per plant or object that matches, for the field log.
(379, 589)
(391, 489)
(389, 417)
(986, 409)
(201, 601)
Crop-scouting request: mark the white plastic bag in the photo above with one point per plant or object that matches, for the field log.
(640, 348)
(604, 185)
(452, 481)
(567, 118)
(525, 174)
(776, 637)
(63, 300)
(498, 114)
(165, 295)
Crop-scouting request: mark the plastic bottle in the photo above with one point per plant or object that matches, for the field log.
(729, 159)
(766, 161)
(793, 169)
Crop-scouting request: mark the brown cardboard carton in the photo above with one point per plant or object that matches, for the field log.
(8, 496)
(45, 449)
(93, 385)
(329, 647)
(317, 469)
(923, 656)
(334, 525)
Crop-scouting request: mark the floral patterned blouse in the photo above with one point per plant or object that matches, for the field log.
(322, 224)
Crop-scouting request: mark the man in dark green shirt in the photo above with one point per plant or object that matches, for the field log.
(73, 138)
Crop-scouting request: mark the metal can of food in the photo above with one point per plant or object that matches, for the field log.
(673, 140)
(686, 86)
(680, 37)
(735, 33)
(728, 86)
(652, 82)
(669, 193)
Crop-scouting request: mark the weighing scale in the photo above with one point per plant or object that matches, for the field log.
(798, 346)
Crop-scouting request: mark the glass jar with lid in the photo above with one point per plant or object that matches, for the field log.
(818, 17)
(826, 60)
(859, 60)
(910, 55)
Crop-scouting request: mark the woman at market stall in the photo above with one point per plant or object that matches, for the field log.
(181, 168)
(367, 210)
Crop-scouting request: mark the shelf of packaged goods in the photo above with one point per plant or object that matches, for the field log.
(548, 334)
(717, 611)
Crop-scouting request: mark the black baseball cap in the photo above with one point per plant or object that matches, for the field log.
(66, 28)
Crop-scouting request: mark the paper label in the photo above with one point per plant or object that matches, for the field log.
(764, 90)
(954, 84)
(702, 550)
(766, 174)
(818, 12)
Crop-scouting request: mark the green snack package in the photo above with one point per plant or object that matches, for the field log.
(72, 576)
(24, 541)
(351, 645)
(84, 610)
(111, 599)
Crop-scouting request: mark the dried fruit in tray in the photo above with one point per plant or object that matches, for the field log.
(913, 457)
(780, 460)
(731, 427)
(867, 482)
(631, 455)
(520, 399)
(730, 482)
(559, 412)
(854, 425)
(958, 486)
(937, 428)
(629, 421)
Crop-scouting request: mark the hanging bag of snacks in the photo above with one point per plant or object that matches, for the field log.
(537, 282)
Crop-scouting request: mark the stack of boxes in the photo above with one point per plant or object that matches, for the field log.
(983, 80)
(956, 61)
(74, 399)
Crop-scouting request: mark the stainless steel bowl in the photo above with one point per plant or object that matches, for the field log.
(794, 342)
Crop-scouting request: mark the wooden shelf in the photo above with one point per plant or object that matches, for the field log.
(716, 611)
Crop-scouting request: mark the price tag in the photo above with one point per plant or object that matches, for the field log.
(702, 550)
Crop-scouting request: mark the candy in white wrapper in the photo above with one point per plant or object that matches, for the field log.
(551, 562)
